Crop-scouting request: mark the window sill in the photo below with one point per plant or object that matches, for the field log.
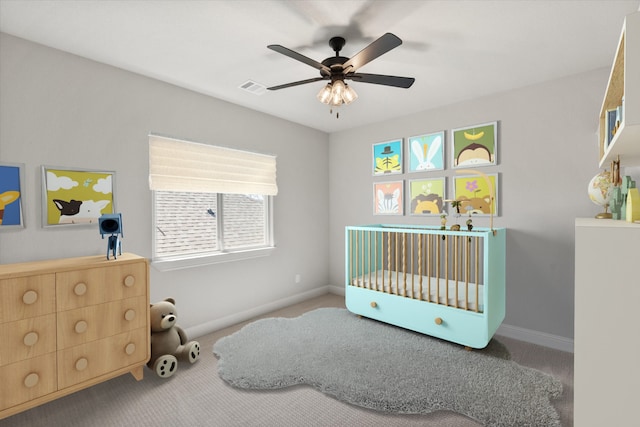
(202, 260)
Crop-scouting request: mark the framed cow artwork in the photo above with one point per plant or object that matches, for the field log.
(76, 196)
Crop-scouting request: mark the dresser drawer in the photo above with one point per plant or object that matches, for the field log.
(27, 296)
(28, 380)
(24, 339)
(93, 286)
(95, 322)
(87, 361)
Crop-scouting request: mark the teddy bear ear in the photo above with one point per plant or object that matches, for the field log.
(171, 300)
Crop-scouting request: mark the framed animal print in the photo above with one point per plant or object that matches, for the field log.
(76, 196)
(388, 198)
(11, 195)
(475, 146)
(387, 158)
(474, 194)
(426, 196)
(426, 152)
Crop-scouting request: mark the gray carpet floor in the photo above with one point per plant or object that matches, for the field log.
(196, 396)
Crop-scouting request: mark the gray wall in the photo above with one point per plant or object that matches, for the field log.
(546, 156)
(61, 110)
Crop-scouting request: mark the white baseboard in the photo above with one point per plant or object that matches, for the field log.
(224, 322)
(336, 290)
(534, 337)
(514, 332)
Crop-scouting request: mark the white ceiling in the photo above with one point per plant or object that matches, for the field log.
(456, 50)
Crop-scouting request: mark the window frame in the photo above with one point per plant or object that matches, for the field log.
(220, 256)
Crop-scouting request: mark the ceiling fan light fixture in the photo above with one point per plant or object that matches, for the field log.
(336, 94)
(338, 88)
(349, 95)
(324, 95)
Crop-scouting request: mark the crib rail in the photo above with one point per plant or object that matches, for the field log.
(424, 263)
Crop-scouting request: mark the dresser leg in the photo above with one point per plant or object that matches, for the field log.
(138, 372)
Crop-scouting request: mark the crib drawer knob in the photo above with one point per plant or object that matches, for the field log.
(438, 320)
(374, 304)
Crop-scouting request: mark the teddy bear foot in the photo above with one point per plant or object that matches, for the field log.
(194, 351)
(165, 366)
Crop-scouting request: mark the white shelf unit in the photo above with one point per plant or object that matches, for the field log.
(606, 345)
(624, 81)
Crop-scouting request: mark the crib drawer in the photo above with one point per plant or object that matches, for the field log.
(457, 325)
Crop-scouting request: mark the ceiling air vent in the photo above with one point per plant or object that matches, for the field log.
(253, 87)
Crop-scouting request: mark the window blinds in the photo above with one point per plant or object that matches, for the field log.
(176, 165)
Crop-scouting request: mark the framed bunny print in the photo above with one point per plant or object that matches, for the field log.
(426, 152)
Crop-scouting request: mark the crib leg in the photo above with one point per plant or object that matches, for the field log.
(466, 347)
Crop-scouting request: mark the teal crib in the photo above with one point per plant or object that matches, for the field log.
(447, 284)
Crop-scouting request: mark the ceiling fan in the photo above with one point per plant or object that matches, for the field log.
(338, 68)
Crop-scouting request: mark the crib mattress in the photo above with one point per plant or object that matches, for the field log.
(430, 289)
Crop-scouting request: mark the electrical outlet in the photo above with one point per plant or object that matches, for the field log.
(298, 279)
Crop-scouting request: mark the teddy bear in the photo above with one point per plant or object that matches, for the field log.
(169, 341)
(475, 205)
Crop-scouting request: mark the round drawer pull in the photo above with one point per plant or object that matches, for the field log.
(81, 327)
(438, 320)
(374, 304)
(31, 380)
(129, 281)
(30, 339)
(130, 315)
(80, 289)
(81, 364)
(130, 349)
(30, 297)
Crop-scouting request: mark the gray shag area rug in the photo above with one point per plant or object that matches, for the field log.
(385, 368)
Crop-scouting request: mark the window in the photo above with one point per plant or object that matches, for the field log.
(210, 203)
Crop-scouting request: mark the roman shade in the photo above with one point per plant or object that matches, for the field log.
(176, 165)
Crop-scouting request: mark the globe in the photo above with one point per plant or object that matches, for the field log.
(599, 192)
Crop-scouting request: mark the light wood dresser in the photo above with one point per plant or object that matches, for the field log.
(68, 324)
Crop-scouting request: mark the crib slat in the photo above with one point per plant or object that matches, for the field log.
(413, 273)
(467, 271)
(419, 236)
(404, 264)
(429, 261)
(446, 270)
(351, 257)
(455, 268)
(375, 260)
(477, 272)
(438, 272)
(389, 259)
(361, 253)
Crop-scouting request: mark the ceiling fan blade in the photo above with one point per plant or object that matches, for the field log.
(299, 57)
(379, 47)
(379, 79)
(298, 83)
